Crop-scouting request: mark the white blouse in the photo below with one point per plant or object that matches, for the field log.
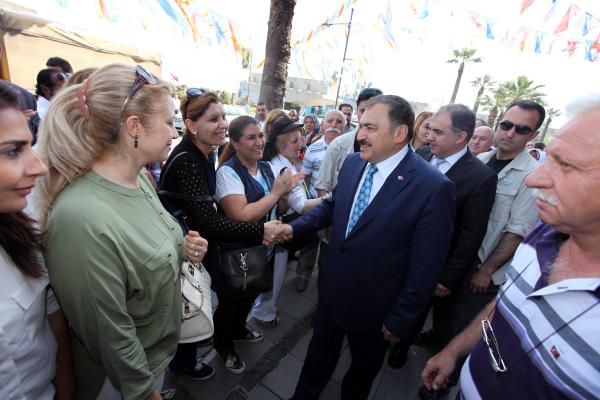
(297, 197)
(27, 345)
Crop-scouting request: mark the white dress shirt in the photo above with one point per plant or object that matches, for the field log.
(384, 169)
(448, 162)
(42, 106)
(27, 344)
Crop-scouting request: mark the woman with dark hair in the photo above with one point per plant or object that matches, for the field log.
(281, 150)
(190, 170)
(247, 190)
(34, 338)
(311, 129)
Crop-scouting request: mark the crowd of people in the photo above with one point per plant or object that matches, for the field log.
(405, 216)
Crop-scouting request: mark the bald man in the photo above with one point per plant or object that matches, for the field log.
(482, 140)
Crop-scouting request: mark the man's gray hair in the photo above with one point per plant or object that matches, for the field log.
(582, 104)
(336, 112)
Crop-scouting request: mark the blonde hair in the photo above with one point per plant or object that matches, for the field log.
(80, 76)
(419, 120)
(70, 143)
(271, 117)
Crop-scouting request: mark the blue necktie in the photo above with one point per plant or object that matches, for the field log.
(362, 201)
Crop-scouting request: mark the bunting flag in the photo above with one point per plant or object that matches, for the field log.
(234, 41)
(571, 47)
(476, 19)
(589, 48)
(587, 19)
(180, 4)
(525, 5)
(550, 12)
(387, 27)
(425, 11)
(246, 57)
(539, 36)
(489, 26)
(564, 22)
(103, 10)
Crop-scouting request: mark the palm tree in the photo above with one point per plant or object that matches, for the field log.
(524, 88)
(483, 83)
(461, 56)
(521, 89)
(550, 113)
(494, 104)
(277, 53)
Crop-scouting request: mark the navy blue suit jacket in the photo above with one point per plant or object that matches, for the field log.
(385, 271)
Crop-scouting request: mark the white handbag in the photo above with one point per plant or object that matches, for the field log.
(196, 310)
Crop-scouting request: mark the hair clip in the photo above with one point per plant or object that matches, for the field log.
(82, 98)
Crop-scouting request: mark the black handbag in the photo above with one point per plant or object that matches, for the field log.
(241, 271)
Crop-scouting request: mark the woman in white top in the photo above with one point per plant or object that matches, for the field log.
(35, 352)
(282, 148)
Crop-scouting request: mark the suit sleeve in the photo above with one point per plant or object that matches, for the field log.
(472, 227)
(317, 219)
(428, 250)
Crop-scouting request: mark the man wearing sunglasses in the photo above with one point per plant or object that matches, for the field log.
(539, 338)
(513, 215)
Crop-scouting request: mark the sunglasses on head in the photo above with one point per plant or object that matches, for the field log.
(520, 129)
(142, 77)
(192, 93)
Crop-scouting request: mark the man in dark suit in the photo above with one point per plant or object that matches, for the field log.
(450, 130)
(392, 216)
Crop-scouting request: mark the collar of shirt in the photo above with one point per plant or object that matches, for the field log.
(385, 167)
(568, 285)
(450, 160)
(520, 162)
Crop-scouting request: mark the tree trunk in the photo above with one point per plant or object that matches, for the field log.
(546, 126)
(492, 116)
(457, 83)
(479, 94)
(277, 53)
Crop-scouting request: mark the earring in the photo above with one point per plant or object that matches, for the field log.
(135, 141)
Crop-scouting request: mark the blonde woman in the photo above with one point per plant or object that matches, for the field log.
(113, 252)
(421, 130)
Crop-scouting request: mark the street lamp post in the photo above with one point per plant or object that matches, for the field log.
(349, 23)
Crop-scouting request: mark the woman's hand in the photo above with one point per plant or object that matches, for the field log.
(194, 247)
(271, 231)
(281, 184)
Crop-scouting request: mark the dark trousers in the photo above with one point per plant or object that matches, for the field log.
(367, 351)
(185, 358)
(307, 258)
(230, 323)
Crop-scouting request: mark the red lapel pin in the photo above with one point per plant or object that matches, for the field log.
(400, 178)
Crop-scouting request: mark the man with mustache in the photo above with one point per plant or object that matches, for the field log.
(541, 332)
(332, 126)
(391, 216)
(513, 215)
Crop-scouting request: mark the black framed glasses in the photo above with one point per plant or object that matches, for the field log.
(520, 129)
(142, 77)
(489, 339)
(192, 93)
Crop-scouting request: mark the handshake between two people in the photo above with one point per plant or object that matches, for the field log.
(195, 246)
(275, 232)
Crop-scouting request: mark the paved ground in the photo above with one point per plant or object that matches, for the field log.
(274, 364)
